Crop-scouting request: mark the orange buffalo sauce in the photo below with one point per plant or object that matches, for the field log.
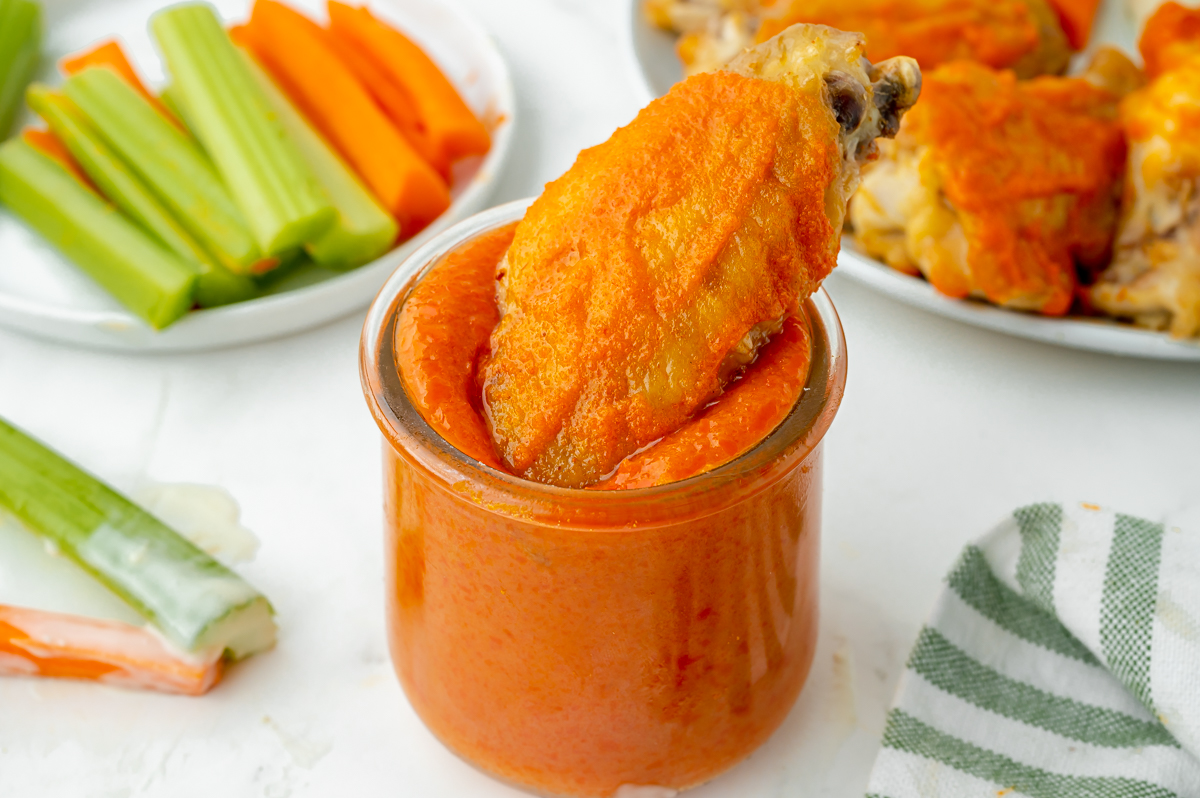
(575, 641)
(443, 331)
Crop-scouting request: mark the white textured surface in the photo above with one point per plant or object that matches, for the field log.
(945, 428)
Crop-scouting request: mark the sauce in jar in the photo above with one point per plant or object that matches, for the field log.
(442, 332)
(574, 641)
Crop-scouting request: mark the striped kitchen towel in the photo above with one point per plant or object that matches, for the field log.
(1062, 661)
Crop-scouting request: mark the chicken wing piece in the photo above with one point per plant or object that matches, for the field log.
(642, 279)
(1170, 37)
(997, 188)
(1022, 35)
(1154, 278)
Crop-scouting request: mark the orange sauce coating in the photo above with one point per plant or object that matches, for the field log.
(635, 273)
(1171, 36)
(1032, 166)
(996, 33)
(745, 414)
(442, 332)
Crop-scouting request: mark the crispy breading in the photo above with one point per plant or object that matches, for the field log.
(640, 280)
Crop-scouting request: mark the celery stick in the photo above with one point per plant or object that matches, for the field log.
(170, 163)
(20, 47)
(169, 97)
(143, 276)
(275, 188)
(363, 230)
(215, 285)
(195, 601)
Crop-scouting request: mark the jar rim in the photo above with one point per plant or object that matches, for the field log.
(406, 430)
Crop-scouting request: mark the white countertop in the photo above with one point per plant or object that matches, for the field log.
(944, 429)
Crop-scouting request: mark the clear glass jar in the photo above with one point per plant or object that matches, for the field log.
(574, 641)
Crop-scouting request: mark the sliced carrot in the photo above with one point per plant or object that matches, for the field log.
(453, 129)
(293, 49)
(50, 145)
(110, 54)
(240, 34)
(1076, 18)
(392, 97)
(37, 643)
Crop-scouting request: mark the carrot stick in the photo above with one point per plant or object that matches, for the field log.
(453, 129)
(292, 47)
(110, 54)
(393, 98)
(50, 145)
(49, 644)
(240, 34)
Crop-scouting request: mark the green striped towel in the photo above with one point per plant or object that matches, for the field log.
(1062, 661)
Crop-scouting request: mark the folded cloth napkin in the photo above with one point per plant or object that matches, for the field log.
(1062, 661)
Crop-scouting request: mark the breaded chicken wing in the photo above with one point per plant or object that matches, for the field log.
(1023, 35)
(641, 280)
(997, 188)
(1170, 37)
(1154, 278)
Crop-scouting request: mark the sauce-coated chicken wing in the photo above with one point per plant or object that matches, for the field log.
(997, 188)
(641, 280)
(1154, 278)
(1022, 35)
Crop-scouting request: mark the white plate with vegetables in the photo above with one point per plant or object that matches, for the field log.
(280, 286)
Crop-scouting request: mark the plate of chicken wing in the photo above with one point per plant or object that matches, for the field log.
(1047, 182)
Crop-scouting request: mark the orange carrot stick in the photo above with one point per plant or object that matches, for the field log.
(37, 643)
(48, 144)
(240, 34)
(393, 98)
(292, 47)
(110, 54)
(451, 126)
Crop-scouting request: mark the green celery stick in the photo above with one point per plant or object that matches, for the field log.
(195, 601)
(276, 190)
(171, 164)
(169, 97)
(363, 230)
(215, 285)
(20, 47)
(137, 271)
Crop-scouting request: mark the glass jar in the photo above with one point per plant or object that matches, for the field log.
(575, 641)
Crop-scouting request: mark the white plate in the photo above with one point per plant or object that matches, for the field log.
(43, 294)
(1099, 335)
(653, 52)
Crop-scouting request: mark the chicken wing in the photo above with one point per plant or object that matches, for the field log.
(1023, 35)
(640, 280)
(1154, 278)
(997, 188)
(1170, 37)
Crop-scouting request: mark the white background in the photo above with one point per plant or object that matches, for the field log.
(944, 429)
